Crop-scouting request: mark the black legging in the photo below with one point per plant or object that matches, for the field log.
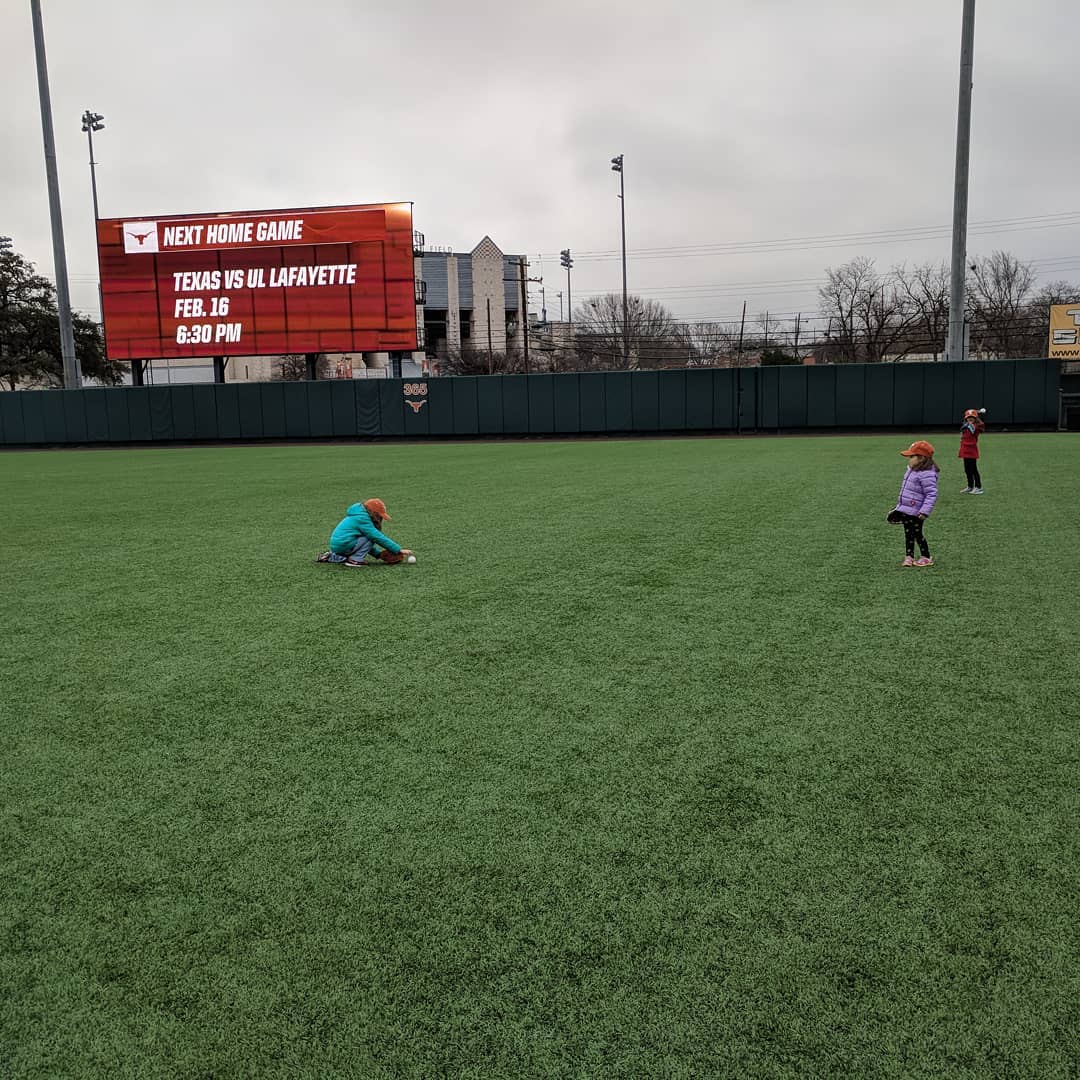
(971, 469)
(913, 535)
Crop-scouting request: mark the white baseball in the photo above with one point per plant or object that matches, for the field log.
(410, 559)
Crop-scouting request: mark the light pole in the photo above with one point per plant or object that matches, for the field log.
(955, 349)
(72, 378)
(617, 166)
(567, 261)
(91, 122)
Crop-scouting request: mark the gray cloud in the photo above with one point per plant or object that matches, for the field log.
(743, 121)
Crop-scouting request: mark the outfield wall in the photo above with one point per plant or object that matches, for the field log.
(910, 396)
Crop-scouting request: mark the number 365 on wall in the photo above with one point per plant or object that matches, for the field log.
(414, 390)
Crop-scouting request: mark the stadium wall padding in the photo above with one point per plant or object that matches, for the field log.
(908, 396)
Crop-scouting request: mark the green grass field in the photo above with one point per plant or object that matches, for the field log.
(656, 765)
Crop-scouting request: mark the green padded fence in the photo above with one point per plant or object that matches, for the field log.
(909, 396)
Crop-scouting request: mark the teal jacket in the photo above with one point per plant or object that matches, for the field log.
(356, 523)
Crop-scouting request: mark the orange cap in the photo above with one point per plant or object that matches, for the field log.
(971, 412)
(921, 448)
(377, 506)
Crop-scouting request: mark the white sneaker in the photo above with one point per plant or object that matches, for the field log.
(966, 491)
(976, 491)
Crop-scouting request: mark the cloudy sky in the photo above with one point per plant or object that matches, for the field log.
(764, 141)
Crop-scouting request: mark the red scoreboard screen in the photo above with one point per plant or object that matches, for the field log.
(328, 279)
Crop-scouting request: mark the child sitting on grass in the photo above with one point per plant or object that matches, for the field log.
(357, 535)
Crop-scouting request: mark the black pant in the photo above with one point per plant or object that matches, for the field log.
(971, 469)
(913, 535)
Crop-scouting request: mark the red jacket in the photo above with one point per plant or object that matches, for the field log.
(969, 438)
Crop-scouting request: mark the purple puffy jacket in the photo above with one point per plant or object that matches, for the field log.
(918, 492)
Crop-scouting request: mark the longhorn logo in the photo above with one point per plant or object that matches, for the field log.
(416, 405)
(140, 236)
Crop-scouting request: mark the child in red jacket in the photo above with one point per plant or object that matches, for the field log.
(970, 431)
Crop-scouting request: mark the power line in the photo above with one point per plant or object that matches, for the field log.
(708, 288)
(808, 243)
(792, 286)
(789, 287)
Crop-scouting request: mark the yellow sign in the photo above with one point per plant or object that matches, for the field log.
(1065, 332)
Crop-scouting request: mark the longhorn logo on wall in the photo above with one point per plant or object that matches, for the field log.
(415, 395)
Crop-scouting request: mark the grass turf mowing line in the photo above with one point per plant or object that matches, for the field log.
(656, 764)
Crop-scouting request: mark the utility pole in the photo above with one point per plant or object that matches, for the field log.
(617, 166)
(955, 348)
(798, 320)
(72, 379)
(566, 261)
(524, 313)
(742, 328)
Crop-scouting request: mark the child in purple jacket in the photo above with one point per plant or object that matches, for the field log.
(918, 493)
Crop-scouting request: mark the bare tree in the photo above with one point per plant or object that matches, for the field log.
(907, 310)
(472, 361)
(652, 333)
(1054, 292)
(999, 291)
(708, 344)
(923, 293)
(870, 318)
(780, 340)
(842, 298)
